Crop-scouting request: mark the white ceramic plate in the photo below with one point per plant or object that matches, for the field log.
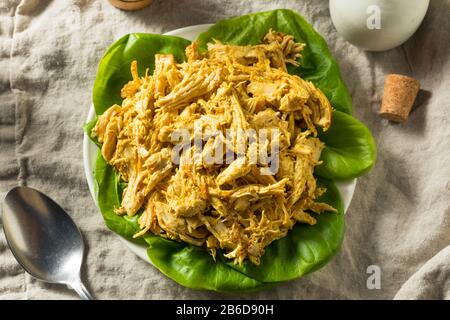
(346, 188)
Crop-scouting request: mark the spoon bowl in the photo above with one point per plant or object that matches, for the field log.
(43, 238)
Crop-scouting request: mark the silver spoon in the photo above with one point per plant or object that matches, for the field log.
(43, 238)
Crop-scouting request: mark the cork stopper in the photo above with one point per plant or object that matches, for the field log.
(130, 5)
(399, 95)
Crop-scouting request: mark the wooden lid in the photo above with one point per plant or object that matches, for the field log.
(130, 5)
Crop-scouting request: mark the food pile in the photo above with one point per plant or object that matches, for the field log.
(223, 97)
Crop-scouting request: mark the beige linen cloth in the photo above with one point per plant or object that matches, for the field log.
(399, 219)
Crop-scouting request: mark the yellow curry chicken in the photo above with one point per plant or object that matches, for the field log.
(232, 207)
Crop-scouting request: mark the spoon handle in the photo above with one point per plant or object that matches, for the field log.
(81, 290)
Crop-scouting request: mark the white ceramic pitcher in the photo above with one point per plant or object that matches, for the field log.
(377, 25)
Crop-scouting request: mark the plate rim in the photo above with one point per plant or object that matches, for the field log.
(346, 188)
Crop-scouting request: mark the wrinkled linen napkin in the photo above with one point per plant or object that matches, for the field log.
(398, 225)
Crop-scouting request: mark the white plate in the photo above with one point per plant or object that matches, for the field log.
(346, 188)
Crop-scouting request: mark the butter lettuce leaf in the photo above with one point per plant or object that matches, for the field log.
(350, 151)
(114, 68)
(317, 64)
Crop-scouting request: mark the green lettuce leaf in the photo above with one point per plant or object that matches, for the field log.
(87, 128)
(350, 149)
(108, 189)
(195, 268)
(114, 68)
(349, 152)
(305, 248)
(317, 63)
(190, 266)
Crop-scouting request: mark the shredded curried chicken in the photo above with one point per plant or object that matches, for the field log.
(224, 97)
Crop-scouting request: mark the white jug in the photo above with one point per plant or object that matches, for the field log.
(377, 25)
